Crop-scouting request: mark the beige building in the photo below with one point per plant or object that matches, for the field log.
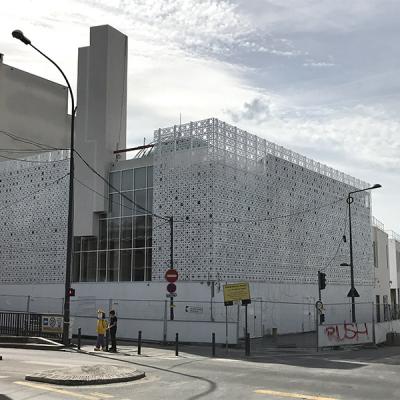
(380, 245)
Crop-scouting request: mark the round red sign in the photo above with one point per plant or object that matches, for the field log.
(171, 288)
(171, 275)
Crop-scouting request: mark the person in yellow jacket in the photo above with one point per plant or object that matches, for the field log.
(101, 330)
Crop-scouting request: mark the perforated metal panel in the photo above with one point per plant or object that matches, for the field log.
(229, 191)
(33, 219)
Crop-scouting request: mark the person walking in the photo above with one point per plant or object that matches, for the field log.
(101, 330)
(113, 331)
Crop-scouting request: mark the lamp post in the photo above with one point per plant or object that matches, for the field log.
(353, 292)
(17, 34)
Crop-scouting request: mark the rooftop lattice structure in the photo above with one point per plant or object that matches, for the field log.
(226, 142)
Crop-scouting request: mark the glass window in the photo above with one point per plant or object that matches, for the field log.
(112, 270)
(149, 176)
(138, 265)
(103, 234)
(115, 205)
(76, 268)
(140, 178)
(92, 243)
(84, 262)
(127, 180)
(149, 231)
(85, 244)
(140, 201)
(128, 207)
(115, 181)
(126, 233)
(139, 232)
(113, 233)
(101, 274)
(77, 243)
(150, 200)
(148, 264)
(91, 266)
(125, 270)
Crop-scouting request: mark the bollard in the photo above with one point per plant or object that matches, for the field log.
(79, 338)
(247, 344)
(139, 343)
(213, 344)
(176, 344)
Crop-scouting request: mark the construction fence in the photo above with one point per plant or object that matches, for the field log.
(269, 323)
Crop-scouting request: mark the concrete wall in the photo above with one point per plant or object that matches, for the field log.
(33, 108)
(101, 119)
(382, 275)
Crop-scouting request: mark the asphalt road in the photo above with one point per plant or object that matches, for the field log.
(354, 375)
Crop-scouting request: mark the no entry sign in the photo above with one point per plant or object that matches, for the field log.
(171, 275)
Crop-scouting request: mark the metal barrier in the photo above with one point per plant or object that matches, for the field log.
(24, 324)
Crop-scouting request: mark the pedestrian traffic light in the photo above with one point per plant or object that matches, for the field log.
(321, 280)
(71, 292)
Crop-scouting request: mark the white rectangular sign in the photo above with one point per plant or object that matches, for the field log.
(194, 309)
(343, 334)
(52, 324)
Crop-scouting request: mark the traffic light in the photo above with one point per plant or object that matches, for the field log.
(321, 318)
(321, 280)
(71, 292)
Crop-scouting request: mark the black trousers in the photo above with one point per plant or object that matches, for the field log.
(113, 335)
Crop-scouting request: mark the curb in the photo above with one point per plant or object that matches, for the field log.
(87, 375)
(81, 382)
(32, 346)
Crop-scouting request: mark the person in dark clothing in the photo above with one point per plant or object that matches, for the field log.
(113, 331)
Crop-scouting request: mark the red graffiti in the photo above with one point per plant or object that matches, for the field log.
(347, 331)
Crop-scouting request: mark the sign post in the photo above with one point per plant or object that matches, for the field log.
(171, 276)
(235, 292)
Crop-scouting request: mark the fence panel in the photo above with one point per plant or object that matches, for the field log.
(13, 303)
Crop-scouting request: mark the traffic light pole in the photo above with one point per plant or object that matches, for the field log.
(171, 299)
(319, 287)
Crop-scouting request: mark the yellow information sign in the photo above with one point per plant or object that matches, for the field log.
(236, 292)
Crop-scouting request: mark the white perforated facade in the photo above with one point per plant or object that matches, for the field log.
(33, 214)
(230, 193)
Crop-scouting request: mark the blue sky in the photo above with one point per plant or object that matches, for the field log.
(319, 77)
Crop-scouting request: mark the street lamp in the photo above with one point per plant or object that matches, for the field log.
(353, 292)
(17, 34)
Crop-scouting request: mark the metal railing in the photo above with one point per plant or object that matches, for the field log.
(23, 324)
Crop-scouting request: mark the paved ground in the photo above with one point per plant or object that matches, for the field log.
(355, 375)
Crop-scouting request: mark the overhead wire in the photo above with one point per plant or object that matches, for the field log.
(33, 161)
(118, 191)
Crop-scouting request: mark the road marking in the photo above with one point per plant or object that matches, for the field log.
(102, 395)
(3, 377)
(53, 389)
(292, 395)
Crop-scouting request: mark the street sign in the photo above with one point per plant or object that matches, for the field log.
(171, 288)
(194, 309)
(171, 295)
(353, 293)
(236, 292)
(171, 275)
(52, 324)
